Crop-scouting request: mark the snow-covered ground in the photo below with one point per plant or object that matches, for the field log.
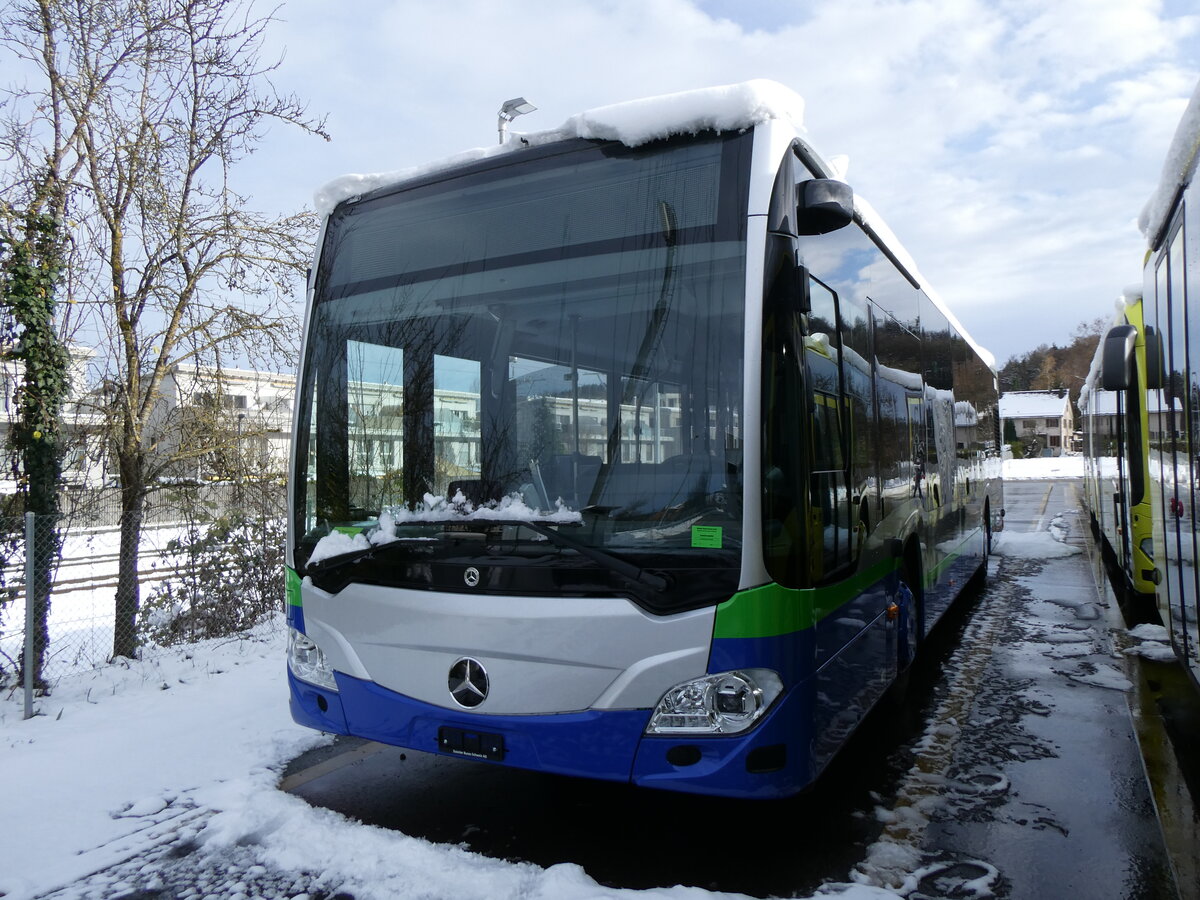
(128, 768)
(1044, 467)
(81, 614)
(130, 763)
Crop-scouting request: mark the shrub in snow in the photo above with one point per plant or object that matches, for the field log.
(229, 578)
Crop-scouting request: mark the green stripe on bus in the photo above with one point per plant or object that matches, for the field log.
(292, 586)
(936, 574)
(773, 609)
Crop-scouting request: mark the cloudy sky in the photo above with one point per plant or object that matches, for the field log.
(1009, 144)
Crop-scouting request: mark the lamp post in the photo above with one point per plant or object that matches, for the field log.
(518, 106)
(239, 461)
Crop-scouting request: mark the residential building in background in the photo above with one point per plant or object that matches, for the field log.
(1044, 417)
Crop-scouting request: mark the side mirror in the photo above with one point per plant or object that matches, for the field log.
(823, 205)
(1116, 364)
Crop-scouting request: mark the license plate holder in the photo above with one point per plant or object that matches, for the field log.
(471, 744)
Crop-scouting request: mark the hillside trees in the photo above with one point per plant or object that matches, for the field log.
(1049, 368)
(149, 104)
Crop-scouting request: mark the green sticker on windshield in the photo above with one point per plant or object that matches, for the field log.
(708, 536)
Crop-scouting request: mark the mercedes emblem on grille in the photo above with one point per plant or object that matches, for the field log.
(468, 682)
(471, 576)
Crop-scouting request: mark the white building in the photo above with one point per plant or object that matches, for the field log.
(1042, 416)
(245, 416)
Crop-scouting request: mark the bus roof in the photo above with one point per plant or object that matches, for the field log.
(732, 107)
(1178, 170)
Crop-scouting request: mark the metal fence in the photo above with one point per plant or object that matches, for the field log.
(209, 562)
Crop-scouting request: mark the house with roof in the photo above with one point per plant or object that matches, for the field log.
(1042, 417)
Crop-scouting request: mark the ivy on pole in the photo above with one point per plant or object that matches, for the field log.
(31, 262)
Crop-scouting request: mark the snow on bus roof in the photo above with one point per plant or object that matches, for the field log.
(1183, 155)
(731, 107)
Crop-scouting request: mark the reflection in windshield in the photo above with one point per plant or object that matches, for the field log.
(579, 352)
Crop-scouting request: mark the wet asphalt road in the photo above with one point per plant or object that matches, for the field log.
(1014, 766)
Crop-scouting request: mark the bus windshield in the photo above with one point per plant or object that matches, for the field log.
(560, 333)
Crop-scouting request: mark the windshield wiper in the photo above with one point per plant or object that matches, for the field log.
(602, 558)
(329, 563)
(607, 560)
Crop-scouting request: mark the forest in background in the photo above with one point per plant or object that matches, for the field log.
(1049, 367)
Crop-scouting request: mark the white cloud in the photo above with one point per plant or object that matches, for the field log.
(1009, 144)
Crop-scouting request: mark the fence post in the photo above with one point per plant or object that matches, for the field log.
(30, 589)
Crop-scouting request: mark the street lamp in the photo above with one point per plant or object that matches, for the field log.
(518, 106)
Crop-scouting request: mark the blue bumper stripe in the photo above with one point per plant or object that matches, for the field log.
(606, 744)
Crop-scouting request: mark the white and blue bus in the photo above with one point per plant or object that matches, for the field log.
(630, 451)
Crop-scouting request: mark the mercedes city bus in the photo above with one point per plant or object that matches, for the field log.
(636, 450)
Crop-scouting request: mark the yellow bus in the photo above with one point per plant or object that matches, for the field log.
(1114, 408)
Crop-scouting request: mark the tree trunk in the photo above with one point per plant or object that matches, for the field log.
(133, 505)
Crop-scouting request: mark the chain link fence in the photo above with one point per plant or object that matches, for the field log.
(209, 562)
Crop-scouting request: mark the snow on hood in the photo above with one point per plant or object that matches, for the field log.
(1178, 169)
(731, 107)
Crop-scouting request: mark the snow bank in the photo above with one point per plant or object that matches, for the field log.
(335, 544)
(1043, 467)
(1154, 643)
(507, 509)
(732, 107)
(1032, 545)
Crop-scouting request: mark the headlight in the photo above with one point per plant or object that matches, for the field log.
(307, 662)
(727, 703)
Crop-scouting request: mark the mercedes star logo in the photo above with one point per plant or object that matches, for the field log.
(468, 682)
(471, 576)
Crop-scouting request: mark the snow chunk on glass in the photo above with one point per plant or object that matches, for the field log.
(337, 543)
(436, 510)
(458, 508)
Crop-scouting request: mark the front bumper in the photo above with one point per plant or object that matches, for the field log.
(771, 760)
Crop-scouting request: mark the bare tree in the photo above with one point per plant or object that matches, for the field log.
(149, 104)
